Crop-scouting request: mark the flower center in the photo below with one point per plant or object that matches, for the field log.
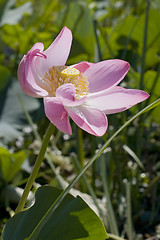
(60, 75)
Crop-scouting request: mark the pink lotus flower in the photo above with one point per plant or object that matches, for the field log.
(86, 91)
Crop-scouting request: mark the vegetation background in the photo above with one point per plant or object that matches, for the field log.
(126, 177)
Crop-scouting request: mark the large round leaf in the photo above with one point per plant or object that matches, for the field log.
(73, 219)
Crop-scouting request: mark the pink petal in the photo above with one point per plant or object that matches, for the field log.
(57, 114)
(66, 91)
(32, 67)
(82, 66)
(57, 53)
(91, 120)
(116, 99)
(67, 94)
(25, 74)
(106, 74)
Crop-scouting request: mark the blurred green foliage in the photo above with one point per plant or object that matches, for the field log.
(10, 161)
(101, 30)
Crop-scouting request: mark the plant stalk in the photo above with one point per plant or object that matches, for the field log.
(144, 44)
(112, 218)
(36, 168)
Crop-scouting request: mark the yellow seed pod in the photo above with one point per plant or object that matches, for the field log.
(66, 71)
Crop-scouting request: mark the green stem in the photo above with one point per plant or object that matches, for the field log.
(90, 189)
(112, 219)
(36, 168)
(151, 185)
(99, 57)
(112, 236)
(140, 130)
(129, 211)
(37, 136)
(128, 40)
(134, 156)
(80, 152)
(80, 147)
(105, 39)
(144, 44)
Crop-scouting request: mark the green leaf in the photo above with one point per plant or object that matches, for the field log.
(10, 163)
(13, 15)
(152, 86)
(12, 117)
(13, 36)
(79, 19)
(5, 76)
(130, 30)
(73, 219)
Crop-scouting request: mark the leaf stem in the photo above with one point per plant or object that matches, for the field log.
(36, 168)
(112, 218)
(140, 130)
(99, 57)
(129, 212)
(144, 44)
(90, 189)
(80, 147)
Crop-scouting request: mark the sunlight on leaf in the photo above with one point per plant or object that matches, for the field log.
(73, 219)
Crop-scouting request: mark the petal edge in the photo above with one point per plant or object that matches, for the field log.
(91, 120)
(117, 99)
(57, 114)
(106, 74)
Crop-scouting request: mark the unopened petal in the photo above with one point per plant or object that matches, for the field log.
(106, 74)
(66, 91)
(91, 120)
(36, 63)
(26, 77)
(57, 114)
(117, 99)
(67, 94)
